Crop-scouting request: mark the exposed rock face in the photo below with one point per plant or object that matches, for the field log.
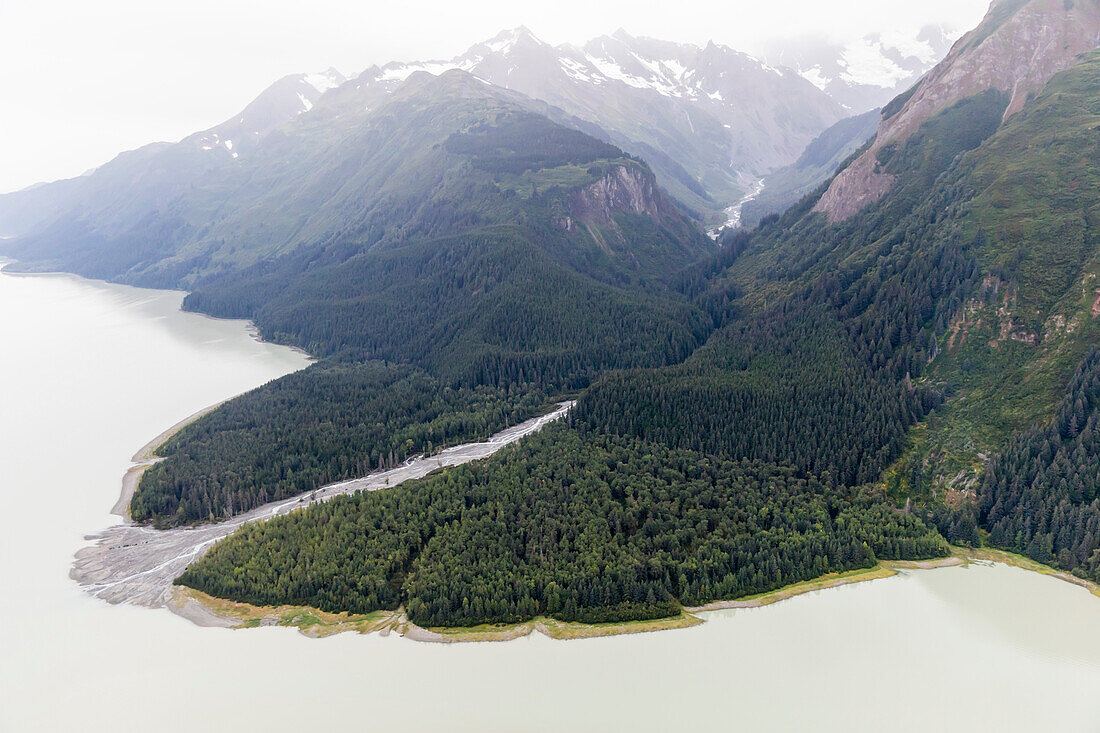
(1016, 49)
(624, 189)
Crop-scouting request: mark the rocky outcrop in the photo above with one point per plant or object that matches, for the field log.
(1016, 49)
(623, 189)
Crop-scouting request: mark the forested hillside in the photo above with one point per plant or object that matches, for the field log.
(1041, 496)
(327, 423)
(489, 256)
(827, 376)
(576, 525)
(981, 264)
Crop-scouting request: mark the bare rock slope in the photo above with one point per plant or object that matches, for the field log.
(1016, 49)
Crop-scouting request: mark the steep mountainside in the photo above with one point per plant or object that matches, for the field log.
(1019, 46)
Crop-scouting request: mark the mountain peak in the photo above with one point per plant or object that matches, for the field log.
(506, 40)
(1016, 49)
(322, 81)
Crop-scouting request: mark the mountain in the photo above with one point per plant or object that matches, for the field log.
(139, 181)
(932, 332)
(1016, 49)
(442, 162)
(282, 101)
(821, 159)
(707, 119)
(448, 242)
(868, 72)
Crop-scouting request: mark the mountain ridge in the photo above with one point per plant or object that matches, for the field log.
(1017, 48)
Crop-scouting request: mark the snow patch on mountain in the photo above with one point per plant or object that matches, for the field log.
(579, 71)
(865, 63)
(866, 72)
(910, 47)
(325, 80)
(611, 70)
(815, 77)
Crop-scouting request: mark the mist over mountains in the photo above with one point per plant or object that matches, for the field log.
(709, 120)
(865, 73)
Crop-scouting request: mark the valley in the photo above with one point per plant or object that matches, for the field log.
(618, 337)
(733, 213)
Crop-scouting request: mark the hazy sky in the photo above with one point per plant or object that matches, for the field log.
(81, 81)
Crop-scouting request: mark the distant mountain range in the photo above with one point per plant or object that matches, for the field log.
(868, 72)
(708, 120)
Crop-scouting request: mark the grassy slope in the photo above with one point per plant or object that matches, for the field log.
(1014, 346)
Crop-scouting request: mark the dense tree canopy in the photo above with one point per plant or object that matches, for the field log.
(1041, 497)
(327, 423)
(578, 525)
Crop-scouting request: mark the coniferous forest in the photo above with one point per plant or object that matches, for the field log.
(1041, 496)
(577, 525)
(738, 468)
(327, 423)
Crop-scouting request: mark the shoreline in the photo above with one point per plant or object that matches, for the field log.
(251, 328)
(130, 563)
(146, 456)
(1004, 557)
(207, 610)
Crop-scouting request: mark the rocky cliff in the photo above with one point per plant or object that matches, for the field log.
(623, 189)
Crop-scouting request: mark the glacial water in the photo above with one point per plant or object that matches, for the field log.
(90, 372)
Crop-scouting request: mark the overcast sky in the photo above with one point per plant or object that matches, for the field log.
(81, 81)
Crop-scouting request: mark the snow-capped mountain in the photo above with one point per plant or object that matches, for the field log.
(868, 72)
(139, 181)
(707, 119)
(282, 101)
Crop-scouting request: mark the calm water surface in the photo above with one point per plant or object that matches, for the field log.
(90, 372)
